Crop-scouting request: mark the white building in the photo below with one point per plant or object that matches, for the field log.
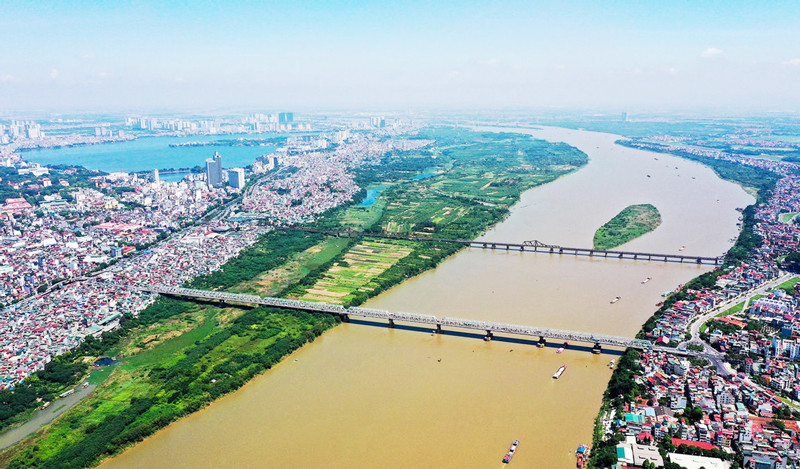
(236, 178)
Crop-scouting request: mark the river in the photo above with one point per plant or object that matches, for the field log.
(369, 396)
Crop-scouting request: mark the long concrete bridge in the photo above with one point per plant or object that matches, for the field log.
(437, 323)
(526, 246)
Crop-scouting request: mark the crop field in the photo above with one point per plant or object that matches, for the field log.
(272, 282)
(358, 267)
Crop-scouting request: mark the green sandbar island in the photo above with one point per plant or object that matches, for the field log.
(630, 223)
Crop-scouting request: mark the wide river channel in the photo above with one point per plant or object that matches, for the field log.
(369, 396)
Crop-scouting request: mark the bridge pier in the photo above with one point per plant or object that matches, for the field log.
(699, 261)
(591, 253)
(391, 323)
(438, 328)
(489, 336)
(345, 318)
(542, 342)
(597, 348)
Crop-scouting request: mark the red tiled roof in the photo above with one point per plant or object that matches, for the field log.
(697, 444)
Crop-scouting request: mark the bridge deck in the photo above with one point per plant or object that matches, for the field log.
(528, 246)
(486, 326)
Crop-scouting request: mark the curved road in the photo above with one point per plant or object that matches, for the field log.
(717, 358)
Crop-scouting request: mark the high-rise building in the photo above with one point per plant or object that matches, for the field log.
(236, 178)
(214, 171)
(285, 117)
(156, 178)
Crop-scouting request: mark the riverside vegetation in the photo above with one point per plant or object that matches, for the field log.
(177, 356)
(622, 386)
(630, 223)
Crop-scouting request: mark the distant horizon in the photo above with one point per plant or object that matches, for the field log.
(482, 113)
(731, 57)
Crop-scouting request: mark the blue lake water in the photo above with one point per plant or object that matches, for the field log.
(372, 196)
(174, 177)
(147, 153)
(424, 176)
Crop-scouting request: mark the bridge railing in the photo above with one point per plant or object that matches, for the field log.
(474, 324)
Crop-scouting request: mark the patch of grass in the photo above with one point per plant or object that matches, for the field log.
(629, 224)
(274, 281)
(788, 286)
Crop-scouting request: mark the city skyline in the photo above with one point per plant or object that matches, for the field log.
(639, 56)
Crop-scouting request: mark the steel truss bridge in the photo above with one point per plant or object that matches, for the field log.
(526, 246)
(488, 327)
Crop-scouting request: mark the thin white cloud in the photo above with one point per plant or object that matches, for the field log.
(792, 62)
(88, 56)
(8, 78)
(104, 75)
(54, 73)
(492, 61)
(711, 52)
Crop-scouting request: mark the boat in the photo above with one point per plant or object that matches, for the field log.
(582, 455)
(560, 349)
(511, 451)
(559, 372)
(612, 363)
(616, 299)
(648, 175)
(646, 280)
(682, 248)
(660, 303)
(667, 293)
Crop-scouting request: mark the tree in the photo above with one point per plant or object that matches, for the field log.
(693, 414)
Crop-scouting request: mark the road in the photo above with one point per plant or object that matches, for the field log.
(717, 358)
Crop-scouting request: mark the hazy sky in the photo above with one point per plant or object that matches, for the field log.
(194, 55)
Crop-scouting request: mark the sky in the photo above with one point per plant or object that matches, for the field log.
(400, 55)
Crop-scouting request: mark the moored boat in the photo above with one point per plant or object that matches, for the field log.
(582, 455)
(559, 372)
(511, 451)
(616, 299)
(646, 280)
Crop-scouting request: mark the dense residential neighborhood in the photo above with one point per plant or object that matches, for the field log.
(742, 410)
(70, 262)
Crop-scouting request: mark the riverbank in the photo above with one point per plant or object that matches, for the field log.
(164, 376)
(623, 389)
(413, 393)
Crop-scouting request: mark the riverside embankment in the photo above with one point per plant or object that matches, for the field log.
(399, 398)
